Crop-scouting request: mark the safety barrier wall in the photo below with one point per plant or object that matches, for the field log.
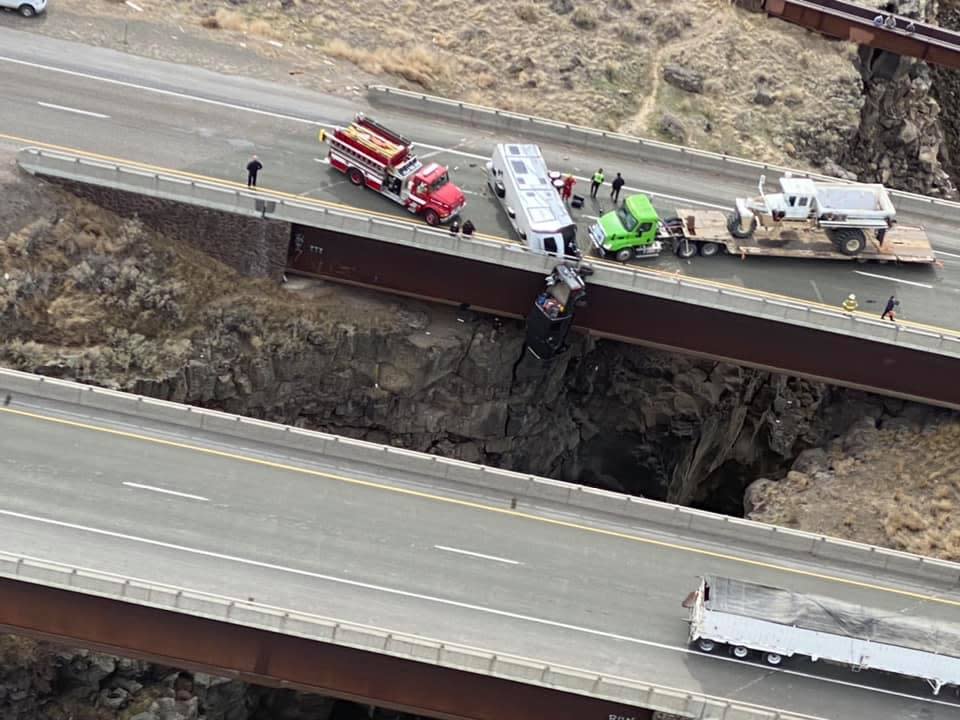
(378, 640)
(526, 489)
(483, 249)
(629, 145)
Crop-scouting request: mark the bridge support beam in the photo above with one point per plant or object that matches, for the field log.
(273, 659)
(639, 319)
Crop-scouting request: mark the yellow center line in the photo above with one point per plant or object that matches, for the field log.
(314, 202)
(474, 505)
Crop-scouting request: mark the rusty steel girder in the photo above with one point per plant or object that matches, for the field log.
(273, 659)
(635, 318)
(852, 22)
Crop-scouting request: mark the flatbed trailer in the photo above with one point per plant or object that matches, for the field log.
(776, 624)
(707, 232)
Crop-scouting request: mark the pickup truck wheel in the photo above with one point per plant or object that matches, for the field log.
(772, 659)
(733, 226)
(850, 241)
(624, 255)
(709, 249)
(684, 248)
(356, 176)
(706, 645)
(431, 217)
(740, 652)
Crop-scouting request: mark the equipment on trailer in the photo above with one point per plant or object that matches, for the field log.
(373, 155)
(843, 210)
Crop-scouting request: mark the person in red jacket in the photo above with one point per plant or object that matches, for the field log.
(568, 184)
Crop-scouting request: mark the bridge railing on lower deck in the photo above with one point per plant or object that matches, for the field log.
(433, 651)
(225, 197)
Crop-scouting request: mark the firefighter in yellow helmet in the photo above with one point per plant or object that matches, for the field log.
(850, 304)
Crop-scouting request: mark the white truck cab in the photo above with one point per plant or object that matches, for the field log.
(518, 177)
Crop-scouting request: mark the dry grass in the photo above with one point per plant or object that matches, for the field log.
(417, 64)
(597, 65)
(901, 491)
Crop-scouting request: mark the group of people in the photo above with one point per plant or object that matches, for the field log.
(889, 310)
(596, 181)
(890, 22)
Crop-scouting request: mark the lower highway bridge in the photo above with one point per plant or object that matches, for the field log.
(293, 558)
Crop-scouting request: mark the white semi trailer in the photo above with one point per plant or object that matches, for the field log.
(748, 618)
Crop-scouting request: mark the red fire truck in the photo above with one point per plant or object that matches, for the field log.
(383, 160)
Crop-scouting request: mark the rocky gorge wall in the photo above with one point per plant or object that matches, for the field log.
(106, 300)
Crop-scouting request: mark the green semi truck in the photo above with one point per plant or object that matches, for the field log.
(635, 230)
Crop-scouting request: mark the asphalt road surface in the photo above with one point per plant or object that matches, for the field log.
(193, 120)
(417, 556)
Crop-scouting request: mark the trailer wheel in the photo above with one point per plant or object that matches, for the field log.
(356, 176)
(709, 249)
(624, 255)
(733, 225)
(431, 217)
(740, 652)
(849, 241)
(684, 248)
(772, 659)
(706, 645)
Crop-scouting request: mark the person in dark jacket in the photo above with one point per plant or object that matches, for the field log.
(469, 227)
(617, 183)
(889, 310)
(253, 167)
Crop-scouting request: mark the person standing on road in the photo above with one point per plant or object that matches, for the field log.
(253, 167)
(889, 310)
(595, 182)
(617, 183)
(568, 184)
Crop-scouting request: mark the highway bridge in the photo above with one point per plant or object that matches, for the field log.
(284, 556)
(777, 314)
(856, 23)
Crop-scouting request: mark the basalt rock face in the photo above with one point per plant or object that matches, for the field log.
(900, 141)
(946, 88)
(40, 681)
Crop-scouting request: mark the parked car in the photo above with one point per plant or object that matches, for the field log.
(27, 8)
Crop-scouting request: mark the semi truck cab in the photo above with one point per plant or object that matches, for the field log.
(629, 231)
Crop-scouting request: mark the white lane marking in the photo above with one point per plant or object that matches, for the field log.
(892, 279)
(439, 149)
(445, 601)
(293, 118)
(948, 254)
(138, 486)
(508, 561)
(817, 291)
(73, 110)
(323, 160)
(592, 217)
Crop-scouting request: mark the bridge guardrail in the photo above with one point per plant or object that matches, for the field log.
(528, 490)
(379, 640)
(484, 249)
(592, 138)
